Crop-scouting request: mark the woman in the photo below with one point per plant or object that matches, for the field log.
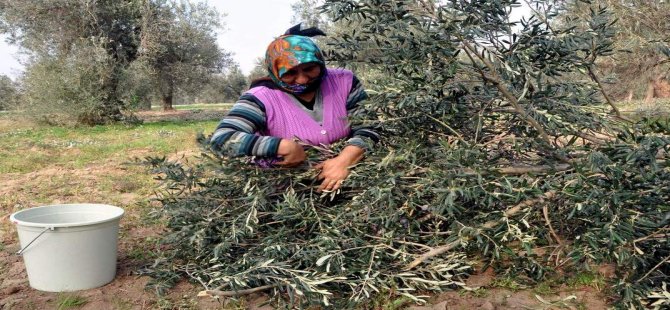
(300, 99)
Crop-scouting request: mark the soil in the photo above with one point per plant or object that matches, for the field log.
(128, 289)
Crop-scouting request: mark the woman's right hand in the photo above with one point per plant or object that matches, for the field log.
(292, 153)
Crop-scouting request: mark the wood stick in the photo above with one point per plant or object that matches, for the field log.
(514, 170)
(545, 212)
(486, 226)
(652, 269)
(212, 293)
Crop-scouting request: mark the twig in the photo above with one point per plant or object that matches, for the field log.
(194, 277)
(402, 242)
(516, 170)
(469, 49)
(446, 126)
(545, 212)
(653, 235)
(485, 226)
(367, 276)
(652, 269)
(595, 78)
(212, 293)
(534, 169)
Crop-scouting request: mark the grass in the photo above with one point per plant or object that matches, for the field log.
(34, 148)
(119, 304)
(197, 106)
(658, 109)
(68, 301)
(590, 279)
(508, 283)
(480, 292)
(641, 105)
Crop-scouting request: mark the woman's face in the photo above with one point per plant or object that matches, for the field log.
(302, 74)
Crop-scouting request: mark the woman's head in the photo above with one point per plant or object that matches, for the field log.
(295, 63)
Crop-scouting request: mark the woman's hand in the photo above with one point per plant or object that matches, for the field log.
(292, 153)
(335, 170)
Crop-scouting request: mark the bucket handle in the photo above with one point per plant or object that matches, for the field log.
(20, 252)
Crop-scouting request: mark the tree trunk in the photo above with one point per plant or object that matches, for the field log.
(652, 88)
(167, 103)
(650, 92)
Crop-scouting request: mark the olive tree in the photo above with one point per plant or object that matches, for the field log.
(179, 45)
(8, 93)
(641, 57)
(54, 33)
(259, 70)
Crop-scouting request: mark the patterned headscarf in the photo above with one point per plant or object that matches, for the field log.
(292, 49)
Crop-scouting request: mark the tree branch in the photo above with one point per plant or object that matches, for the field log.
(595, 78)
(212, 293)
(469, 49)
(486, 226)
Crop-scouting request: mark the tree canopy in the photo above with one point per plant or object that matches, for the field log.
(85, 56)
(8, 93)
(179, 45)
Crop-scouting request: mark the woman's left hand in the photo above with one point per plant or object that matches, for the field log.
(333, 173)
(335, 170)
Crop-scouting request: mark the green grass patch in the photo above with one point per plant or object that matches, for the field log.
(34, 148)
(197, 106)
(68, 301)
(386, 301)
(478, 292)
(508, 283)
(591, 279)
(658, 109)
(544, 288)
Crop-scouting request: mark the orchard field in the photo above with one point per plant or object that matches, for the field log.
(45, 165)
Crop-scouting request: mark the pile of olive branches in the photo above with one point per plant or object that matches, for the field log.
(499, 147)
(237, 228)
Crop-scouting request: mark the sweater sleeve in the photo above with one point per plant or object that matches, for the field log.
(364, 137)
(236, 133)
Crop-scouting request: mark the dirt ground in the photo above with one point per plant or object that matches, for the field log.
(127, 290)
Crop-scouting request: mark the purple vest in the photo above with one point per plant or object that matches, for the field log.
(285, 119)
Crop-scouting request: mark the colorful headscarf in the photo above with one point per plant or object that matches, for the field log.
(292, 49)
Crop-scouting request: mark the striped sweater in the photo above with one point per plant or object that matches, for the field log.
(236, 133)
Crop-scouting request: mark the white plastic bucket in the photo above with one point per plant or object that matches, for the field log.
(69, 247)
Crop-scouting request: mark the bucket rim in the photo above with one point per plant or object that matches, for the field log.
(119, 212)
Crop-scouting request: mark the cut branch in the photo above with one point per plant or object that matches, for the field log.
(514, 170)
(486, 226)
(212, 293)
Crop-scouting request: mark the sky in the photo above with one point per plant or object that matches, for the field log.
(249, 26)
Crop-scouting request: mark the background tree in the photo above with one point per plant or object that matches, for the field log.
(308, 13)
(8, 93)
(259, 70)
(639, 65)
(235, 83)
(179, 45)
(54, 32)
(223, 87)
